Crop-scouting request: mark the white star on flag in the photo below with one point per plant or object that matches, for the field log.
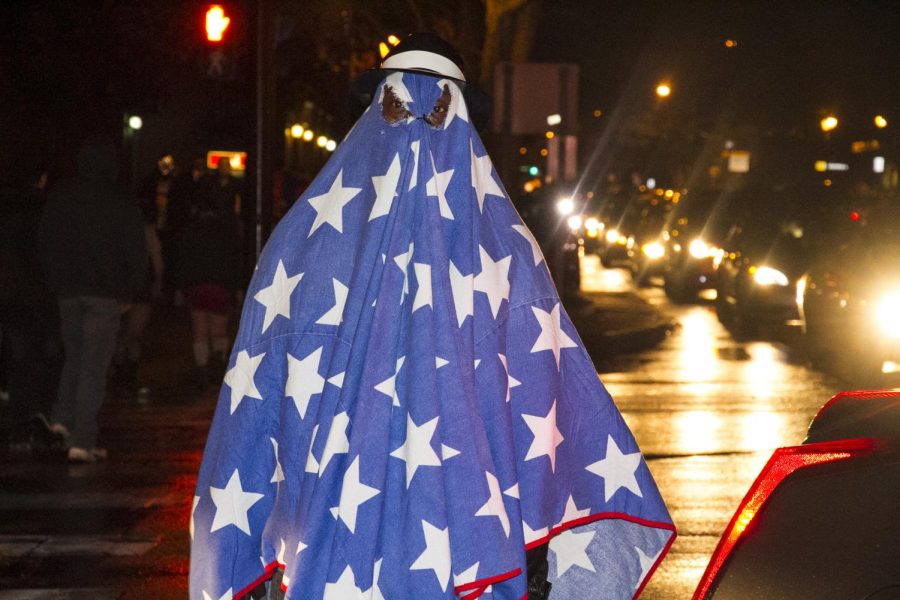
(374, 592)
(423, 293)
(463, 290)
(226, 596)
(385, 189)
(436, 555)
(303, 380)
(193, 509)
(570, 549)
(402, 261)
(467, 576)
(512, 491)
(494, 506)
(353, 493)
(414, 179)
(617, 470)
(535, 248)
(337, 441)
(277, 297)
(416, 451)
(493, 279)
(447, 452)
(300, 548)
(482, 179)
(278, 475)
(552, 337)
(329, 206)
(437, 186)
(337, 380)
(440, 362)
(388, 387)
(457, 106)
(646, 563)
(546, 436)
(335, 314)
(232, 504)
(344, 588)
(240, 378)
(572, 512)
(511, 381)
(533, 535)
(312, 465)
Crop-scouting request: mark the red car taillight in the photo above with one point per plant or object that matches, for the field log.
(784, 461)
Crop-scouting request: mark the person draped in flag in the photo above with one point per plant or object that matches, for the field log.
(408, 411)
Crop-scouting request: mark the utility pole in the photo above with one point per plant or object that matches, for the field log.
(265, 97)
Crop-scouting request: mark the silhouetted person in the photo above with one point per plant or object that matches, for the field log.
(208, 275)
(94, 256)
(28, 312)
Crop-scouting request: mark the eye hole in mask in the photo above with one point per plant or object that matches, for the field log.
(392, 107)
(438, 114)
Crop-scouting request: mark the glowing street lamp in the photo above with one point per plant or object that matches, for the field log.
(880, 122)
(308, 135)
(663, 90)
(297, 131)
(321, 141)
(829, 123)
(135, 122)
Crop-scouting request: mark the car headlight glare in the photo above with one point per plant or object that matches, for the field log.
(699, 249)
(574, 222)
(653, 250)
(591, 223)
(767, 276)
(887, 314)
(565, 206)
(612, 235)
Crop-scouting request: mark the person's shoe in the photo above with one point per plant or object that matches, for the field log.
(80, 455)
(57, 430)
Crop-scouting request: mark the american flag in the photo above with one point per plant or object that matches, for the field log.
(408, 407)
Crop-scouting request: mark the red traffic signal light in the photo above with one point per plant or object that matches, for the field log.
(216, 23)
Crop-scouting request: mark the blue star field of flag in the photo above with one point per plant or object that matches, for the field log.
(407, 406)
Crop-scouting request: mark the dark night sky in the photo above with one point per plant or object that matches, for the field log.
(792, 58)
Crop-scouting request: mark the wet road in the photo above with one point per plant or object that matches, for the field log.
(707, 412)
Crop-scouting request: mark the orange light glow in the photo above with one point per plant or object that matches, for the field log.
(828, 123)
(237, 160)
(880, 122)
(216, 23)
(663, 90)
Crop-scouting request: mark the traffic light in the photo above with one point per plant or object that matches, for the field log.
(216, 23)
(533, 170)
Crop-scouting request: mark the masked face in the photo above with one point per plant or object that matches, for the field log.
(435, 101)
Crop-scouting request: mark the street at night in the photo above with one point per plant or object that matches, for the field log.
(706, 410)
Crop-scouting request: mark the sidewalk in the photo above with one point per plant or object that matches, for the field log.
(120, 529)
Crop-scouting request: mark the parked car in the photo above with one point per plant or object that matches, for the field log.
(849, 300)
(645, 244)
(692, 242)
(820, 521)
(767, 251)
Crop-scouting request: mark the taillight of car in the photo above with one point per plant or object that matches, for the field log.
(783, 462)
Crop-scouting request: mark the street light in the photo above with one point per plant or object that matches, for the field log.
(135, 122)
(880, 122)
(828, 123)
(663, 90)
(297, 131)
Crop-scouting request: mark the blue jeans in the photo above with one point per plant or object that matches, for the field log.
(89, 327)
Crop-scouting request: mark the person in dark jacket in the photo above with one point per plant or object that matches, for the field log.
(28, 314)
(94, 257)
(208, 276)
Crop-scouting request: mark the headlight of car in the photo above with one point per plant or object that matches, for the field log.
(565, 206)
(887, 314)
(767, 276)
(653, 250)
(612, 236)
(574, 222)
(699, 249)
